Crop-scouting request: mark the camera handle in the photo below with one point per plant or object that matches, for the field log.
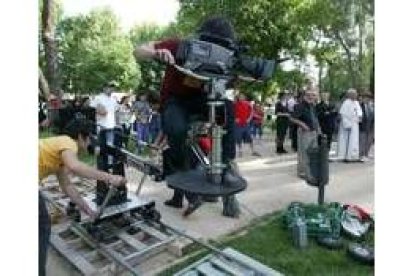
(191, 73)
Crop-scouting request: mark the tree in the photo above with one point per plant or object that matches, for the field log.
(49, 17)
(94, 52)
(348, 24)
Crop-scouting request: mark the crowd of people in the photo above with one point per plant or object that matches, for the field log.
(138, 119)
(303, 117)
(350, 120)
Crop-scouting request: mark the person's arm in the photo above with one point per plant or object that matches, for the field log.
(251, 114)
(299, 123)
(148, 51)
(67, 187)
(160, 141)
(295, 118)
(71, 162)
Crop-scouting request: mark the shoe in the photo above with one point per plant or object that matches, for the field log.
(159, 177)
(352, 160)
(192, 207)
(174, 204)
(255, 153)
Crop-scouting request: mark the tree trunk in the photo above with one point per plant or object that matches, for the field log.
(348, 53)
(320, 77)
(43, 85)
(49, 43)
(361, 74)
(372, 79)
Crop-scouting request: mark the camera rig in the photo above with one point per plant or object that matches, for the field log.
(216, 62)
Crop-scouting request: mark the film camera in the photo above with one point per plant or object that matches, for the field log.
(213, 55)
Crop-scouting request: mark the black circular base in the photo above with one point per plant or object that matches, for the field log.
(330, 242)
(195, 181)
(362, 253)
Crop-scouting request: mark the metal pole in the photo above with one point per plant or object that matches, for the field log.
(110, 193)
(321, 194)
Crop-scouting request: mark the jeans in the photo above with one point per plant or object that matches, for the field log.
(105, 137)
(257, 130)
(44, 234)
(126, 130)
(243, 135)
(143, 135)
(154, 126)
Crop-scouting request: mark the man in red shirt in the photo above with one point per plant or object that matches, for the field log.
(244, 114)
(182, 98)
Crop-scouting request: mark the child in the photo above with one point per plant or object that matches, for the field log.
(142, 112)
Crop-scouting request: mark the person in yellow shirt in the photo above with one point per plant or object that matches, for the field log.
(58, 156)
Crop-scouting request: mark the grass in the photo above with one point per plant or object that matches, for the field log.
(270, 243)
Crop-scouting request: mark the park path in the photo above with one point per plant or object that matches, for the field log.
(272, 186)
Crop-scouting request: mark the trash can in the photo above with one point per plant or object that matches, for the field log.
(319, 166)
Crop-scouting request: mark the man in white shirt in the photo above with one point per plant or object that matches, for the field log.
(348, 136)
(106, 107)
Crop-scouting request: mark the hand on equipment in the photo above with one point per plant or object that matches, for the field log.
(117, 180)
(92, 214)
(164, 55)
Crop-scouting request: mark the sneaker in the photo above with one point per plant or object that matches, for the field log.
(363, 159)
(174, 204)
(192, 207)
(255, 153)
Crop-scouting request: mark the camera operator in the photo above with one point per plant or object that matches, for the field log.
(182, 98)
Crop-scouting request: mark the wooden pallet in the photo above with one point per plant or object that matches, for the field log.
(213, 265)
(54, 196)
(132, 244)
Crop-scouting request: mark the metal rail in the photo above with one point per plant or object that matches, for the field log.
(104, 250)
